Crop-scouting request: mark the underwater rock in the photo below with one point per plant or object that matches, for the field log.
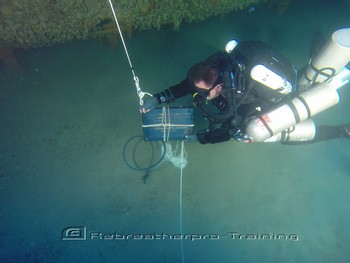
(38, 23)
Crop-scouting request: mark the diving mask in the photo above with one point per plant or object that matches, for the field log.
(206, 92)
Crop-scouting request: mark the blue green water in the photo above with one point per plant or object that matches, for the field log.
(64, 122)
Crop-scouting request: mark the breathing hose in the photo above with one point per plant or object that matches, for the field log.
(135, 166)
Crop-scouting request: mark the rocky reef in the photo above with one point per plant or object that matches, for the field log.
(38, 23)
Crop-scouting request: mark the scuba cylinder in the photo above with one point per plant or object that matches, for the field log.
(270, 75)
(329, 71)
(332, 58)
(270, 79)
(303, 131)
(302, 107)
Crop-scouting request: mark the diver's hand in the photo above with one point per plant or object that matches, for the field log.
(149, 105)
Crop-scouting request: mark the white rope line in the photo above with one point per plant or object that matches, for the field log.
(166, 132)
(122, 38)
(168, 122)
(165, 123)
(140, 93)
(183, 154)
(181, 187)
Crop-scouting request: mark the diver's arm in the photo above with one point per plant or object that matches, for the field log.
(169, 95)
(172, 93)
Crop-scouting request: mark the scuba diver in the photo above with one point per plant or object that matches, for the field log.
(247, 80)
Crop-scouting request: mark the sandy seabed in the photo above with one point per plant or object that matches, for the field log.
(65, 120)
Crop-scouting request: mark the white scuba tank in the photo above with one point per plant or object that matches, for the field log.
(302, 107)
(334, 55)
(303, 131)
(270, 79)
(332, 58)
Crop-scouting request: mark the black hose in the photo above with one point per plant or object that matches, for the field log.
(134, 154)
(136, 167)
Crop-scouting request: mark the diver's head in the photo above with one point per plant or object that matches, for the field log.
(207, 79)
